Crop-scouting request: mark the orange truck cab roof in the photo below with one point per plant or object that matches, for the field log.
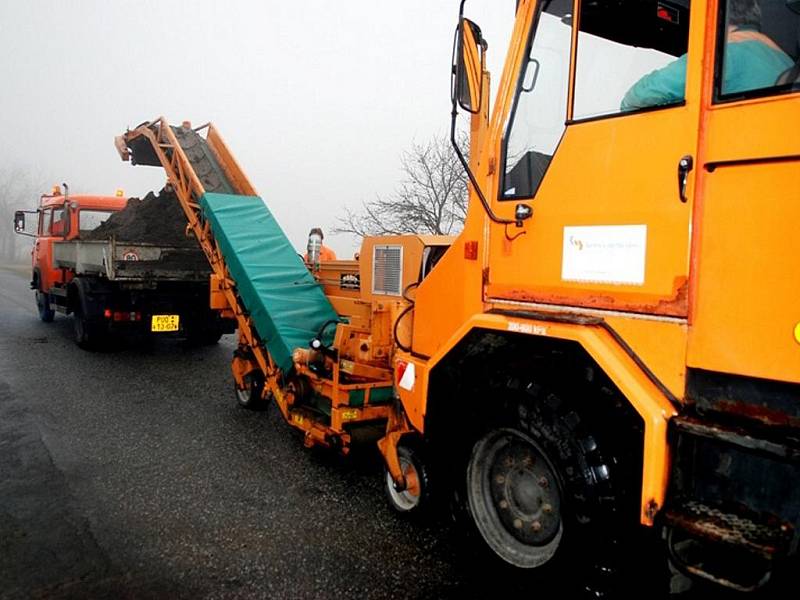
(86, 201)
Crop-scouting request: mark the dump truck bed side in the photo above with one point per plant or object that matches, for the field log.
(122, 261)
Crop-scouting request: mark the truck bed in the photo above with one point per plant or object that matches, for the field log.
(124, 261)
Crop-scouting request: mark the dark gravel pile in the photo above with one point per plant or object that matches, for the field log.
(152, 219)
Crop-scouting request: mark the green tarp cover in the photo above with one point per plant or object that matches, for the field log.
(284, 300)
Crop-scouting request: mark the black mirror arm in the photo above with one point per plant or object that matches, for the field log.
(470, 175)
(462, 159)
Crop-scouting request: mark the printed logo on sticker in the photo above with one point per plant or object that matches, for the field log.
(614, 254)
(528, 328)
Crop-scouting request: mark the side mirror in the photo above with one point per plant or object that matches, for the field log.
(468, 65)
(19, 222)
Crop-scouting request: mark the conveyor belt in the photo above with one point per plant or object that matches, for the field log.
(273, 284)
(287, 305)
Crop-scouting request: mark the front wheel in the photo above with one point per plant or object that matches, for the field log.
(46, 312)
(514, 496)
(540, 497)
(251, 396)
(415, 498)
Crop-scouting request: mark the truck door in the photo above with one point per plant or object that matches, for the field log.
(599, 139)
(54, 225)
(746, 314)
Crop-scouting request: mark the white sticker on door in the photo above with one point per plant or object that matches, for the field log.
(604, 254)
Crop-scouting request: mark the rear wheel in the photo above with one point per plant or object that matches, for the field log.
(212, 337)
(88, 334)
(251, 396)
(415, 498)
(46, 312)
(203, 336)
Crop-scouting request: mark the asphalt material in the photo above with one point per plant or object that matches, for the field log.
(154, 219)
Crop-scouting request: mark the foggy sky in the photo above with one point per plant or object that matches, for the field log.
(316, 99)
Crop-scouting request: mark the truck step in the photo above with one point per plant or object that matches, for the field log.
(766, 538)
(726, 548)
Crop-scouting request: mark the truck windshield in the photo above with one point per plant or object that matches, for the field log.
(89, 220)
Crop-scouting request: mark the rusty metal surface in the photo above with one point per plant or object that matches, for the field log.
(767, 538)
(784, 447)
(772, 404)
(674, 306)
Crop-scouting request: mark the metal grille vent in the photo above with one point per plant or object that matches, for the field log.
(387, 270)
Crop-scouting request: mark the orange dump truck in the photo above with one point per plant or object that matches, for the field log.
(110, 286)
(612, 343)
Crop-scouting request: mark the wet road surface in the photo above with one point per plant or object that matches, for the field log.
(132, 473)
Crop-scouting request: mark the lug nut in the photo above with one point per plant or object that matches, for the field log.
(500, 479)
(518, 524)
(543, 482)
(536, 526)
(547, 509)
(504, 504)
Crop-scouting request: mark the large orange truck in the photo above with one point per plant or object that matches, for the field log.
(612, 343)
(114, 287)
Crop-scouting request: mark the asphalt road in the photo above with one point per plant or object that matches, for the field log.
(133, 473)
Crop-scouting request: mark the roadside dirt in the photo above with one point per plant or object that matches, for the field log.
(154, 219)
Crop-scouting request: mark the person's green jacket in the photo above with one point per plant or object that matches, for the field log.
(752, 61)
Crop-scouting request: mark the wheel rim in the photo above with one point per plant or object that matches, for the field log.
(243, 395)
(409, 498)
(514, 497)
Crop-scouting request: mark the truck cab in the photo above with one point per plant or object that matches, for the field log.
(622, 301)
(60, 217)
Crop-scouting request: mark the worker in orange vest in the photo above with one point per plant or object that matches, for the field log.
(315, 245)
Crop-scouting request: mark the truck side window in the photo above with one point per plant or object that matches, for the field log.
(759, 48)
(60, 222)
(630, 56)
(45, 222)
(539, 112)
(89, 220)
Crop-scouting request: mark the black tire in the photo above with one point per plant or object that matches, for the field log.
(540, 497)
(212, 337)
(46, 312)
(415, 500)
(251, 396)
(204, 337)
(88, 335)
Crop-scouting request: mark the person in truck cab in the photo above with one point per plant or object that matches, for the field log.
(60, 223)
(752, 61)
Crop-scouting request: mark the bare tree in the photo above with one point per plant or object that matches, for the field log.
(432, 197)
(17, 192)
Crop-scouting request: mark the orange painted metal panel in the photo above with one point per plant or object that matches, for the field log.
(645, 397)
(661, 345)
(611, 172)
(749, 273)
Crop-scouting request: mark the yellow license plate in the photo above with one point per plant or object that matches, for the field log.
(165, 322)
